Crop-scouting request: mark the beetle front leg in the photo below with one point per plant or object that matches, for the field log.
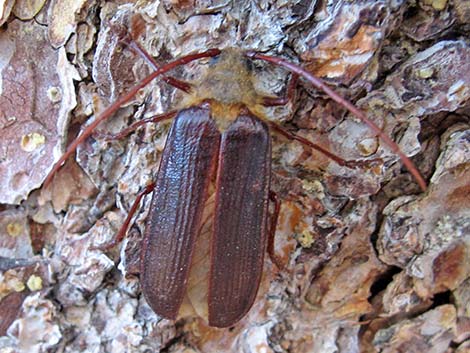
(110, 110)
(319, 84)
(288, 96)
(128, 38)
(179, 84)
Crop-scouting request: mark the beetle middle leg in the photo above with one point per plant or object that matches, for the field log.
(340, 161)
(111, 109)
(123, 133)
(284, 100)
(123, 230)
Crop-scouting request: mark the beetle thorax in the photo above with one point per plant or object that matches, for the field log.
(228, 87)
(228, 80)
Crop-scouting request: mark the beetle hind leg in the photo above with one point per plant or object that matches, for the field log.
(276, 259)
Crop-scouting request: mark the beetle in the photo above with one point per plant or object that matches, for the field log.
(216, 163)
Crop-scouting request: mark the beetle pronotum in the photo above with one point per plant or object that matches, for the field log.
(216, 161)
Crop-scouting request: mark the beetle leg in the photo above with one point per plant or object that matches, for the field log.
(122, 232)
(288, 96)
(340, 161)
(110, 110)
(319, 84)
(127, 38)
(123, 133)
(276, 260)
(179, 84)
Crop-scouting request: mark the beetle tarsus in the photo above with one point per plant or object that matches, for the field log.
(136, 48)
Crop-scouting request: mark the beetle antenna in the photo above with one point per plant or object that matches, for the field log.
(110, 110)
(319, 84)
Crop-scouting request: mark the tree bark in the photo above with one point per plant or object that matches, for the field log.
(371, 263)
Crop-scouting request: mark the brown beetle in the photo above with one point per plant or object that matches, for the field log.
(216, 162)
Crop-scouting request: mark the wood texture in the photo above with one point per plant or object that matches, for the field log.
(371, 261)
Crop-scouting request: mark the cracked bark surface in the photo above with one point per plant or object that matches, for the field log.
(372, 263)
